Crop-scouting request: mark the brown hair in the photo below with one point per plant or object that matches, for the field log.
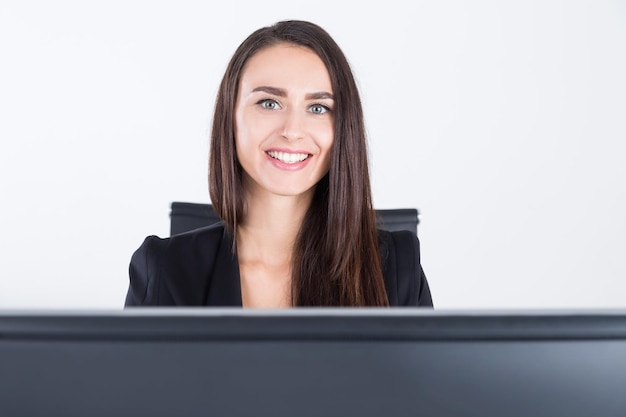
(336, 260)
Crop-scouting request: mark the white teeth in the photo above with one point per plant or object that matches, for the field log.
(288, 158)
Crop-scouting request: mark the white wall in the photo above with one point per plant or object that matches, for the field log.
(503, 122)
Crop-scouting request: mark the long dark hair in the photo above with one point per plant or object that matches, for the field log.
(336, 260)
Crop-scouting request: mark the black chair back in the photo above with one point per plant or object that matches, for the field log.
(188, 216)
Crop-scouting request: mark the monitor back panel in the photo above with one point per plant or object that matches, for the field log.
(285, 365)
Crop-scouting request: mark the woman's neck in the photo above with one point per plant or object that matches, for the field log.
(265, 242)
(270, 227)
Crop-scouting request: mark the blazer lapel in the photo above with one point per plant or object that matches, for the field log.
(225, 288)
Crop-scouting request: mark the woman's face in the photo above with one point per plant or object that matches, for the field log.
(284, 121)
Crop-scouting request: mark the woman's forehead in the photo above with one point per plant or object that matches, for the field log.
(287, 66)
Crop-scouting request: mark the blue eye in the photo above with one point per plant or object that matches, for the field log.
(268, 104)
(318, 109)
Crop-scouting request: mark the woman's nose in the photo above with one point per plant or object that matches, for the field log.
(293, 127)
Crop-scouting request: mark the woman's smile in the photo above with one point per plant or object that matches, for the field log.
(288, 160)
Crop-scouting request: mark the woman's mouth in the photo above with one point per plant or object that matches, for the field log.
(288, 158)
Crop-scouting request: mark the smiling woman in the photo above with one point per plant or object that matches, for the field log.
(288, 174)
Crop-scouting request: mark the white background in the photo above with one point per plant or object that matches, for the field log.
(503, 122)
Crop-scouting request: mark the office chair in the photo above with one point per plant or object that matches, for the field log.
(189, 216)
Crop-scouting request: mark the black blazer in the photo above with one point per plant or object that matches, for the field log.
(198, 268)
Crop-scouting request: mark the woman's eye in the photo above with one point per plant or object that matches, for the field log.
(268, 104)
(319, 109)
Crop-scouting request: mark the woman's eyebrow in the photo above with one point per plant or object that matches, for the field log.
(319, 96)
(271, 90)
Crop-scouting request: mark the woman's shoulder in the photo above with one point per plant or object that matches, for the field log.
(204, 236)
(402, 270)
(404, 241)
(175, 269)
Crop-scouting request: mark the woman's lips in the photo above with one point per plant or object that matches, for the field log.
(288, 160)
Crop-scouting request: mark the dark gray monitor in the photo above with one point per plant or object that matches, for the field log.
(313, 362)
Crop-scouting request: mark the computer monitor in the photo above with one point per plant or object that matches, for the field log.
(312, 362)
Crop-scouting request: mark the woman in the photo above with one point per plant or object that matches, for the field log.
(288, 174)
